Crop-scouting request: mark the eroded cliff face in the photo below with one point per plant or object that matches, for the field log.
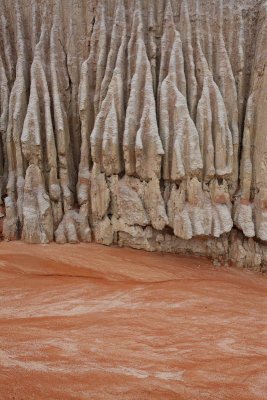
(137, 123)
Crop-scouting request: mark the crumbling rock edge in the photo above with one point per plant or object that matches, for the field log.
(136, 123)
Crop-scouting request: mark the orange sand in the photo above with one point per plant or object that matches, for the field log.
(92, 322)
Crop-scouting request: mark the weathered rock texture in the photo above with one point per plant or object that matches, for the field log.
(139, 123)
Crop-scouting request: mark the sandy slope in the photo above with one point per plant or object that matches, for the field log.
(91, 322)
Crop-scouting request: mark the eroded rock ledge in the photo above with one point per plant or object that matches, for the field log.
(136, 123)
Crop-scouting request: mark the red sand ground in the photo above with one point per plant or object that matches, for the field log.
(92, 322)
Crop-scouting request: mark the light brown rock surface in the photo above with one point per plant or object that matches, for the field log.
(138, 123)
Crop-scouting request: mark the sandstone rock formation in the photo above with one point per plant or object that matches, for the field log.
(136, 122)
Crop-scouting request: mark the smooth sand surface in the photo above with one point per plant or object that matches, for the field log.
(92, 322)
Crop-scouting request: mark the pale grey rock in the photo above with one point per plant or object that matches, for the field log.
(73, 228)
(136, 123)
(155, 205)
(100, 196)
(243, 218)
(37, 211)
(103, 232)
(130, 205)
